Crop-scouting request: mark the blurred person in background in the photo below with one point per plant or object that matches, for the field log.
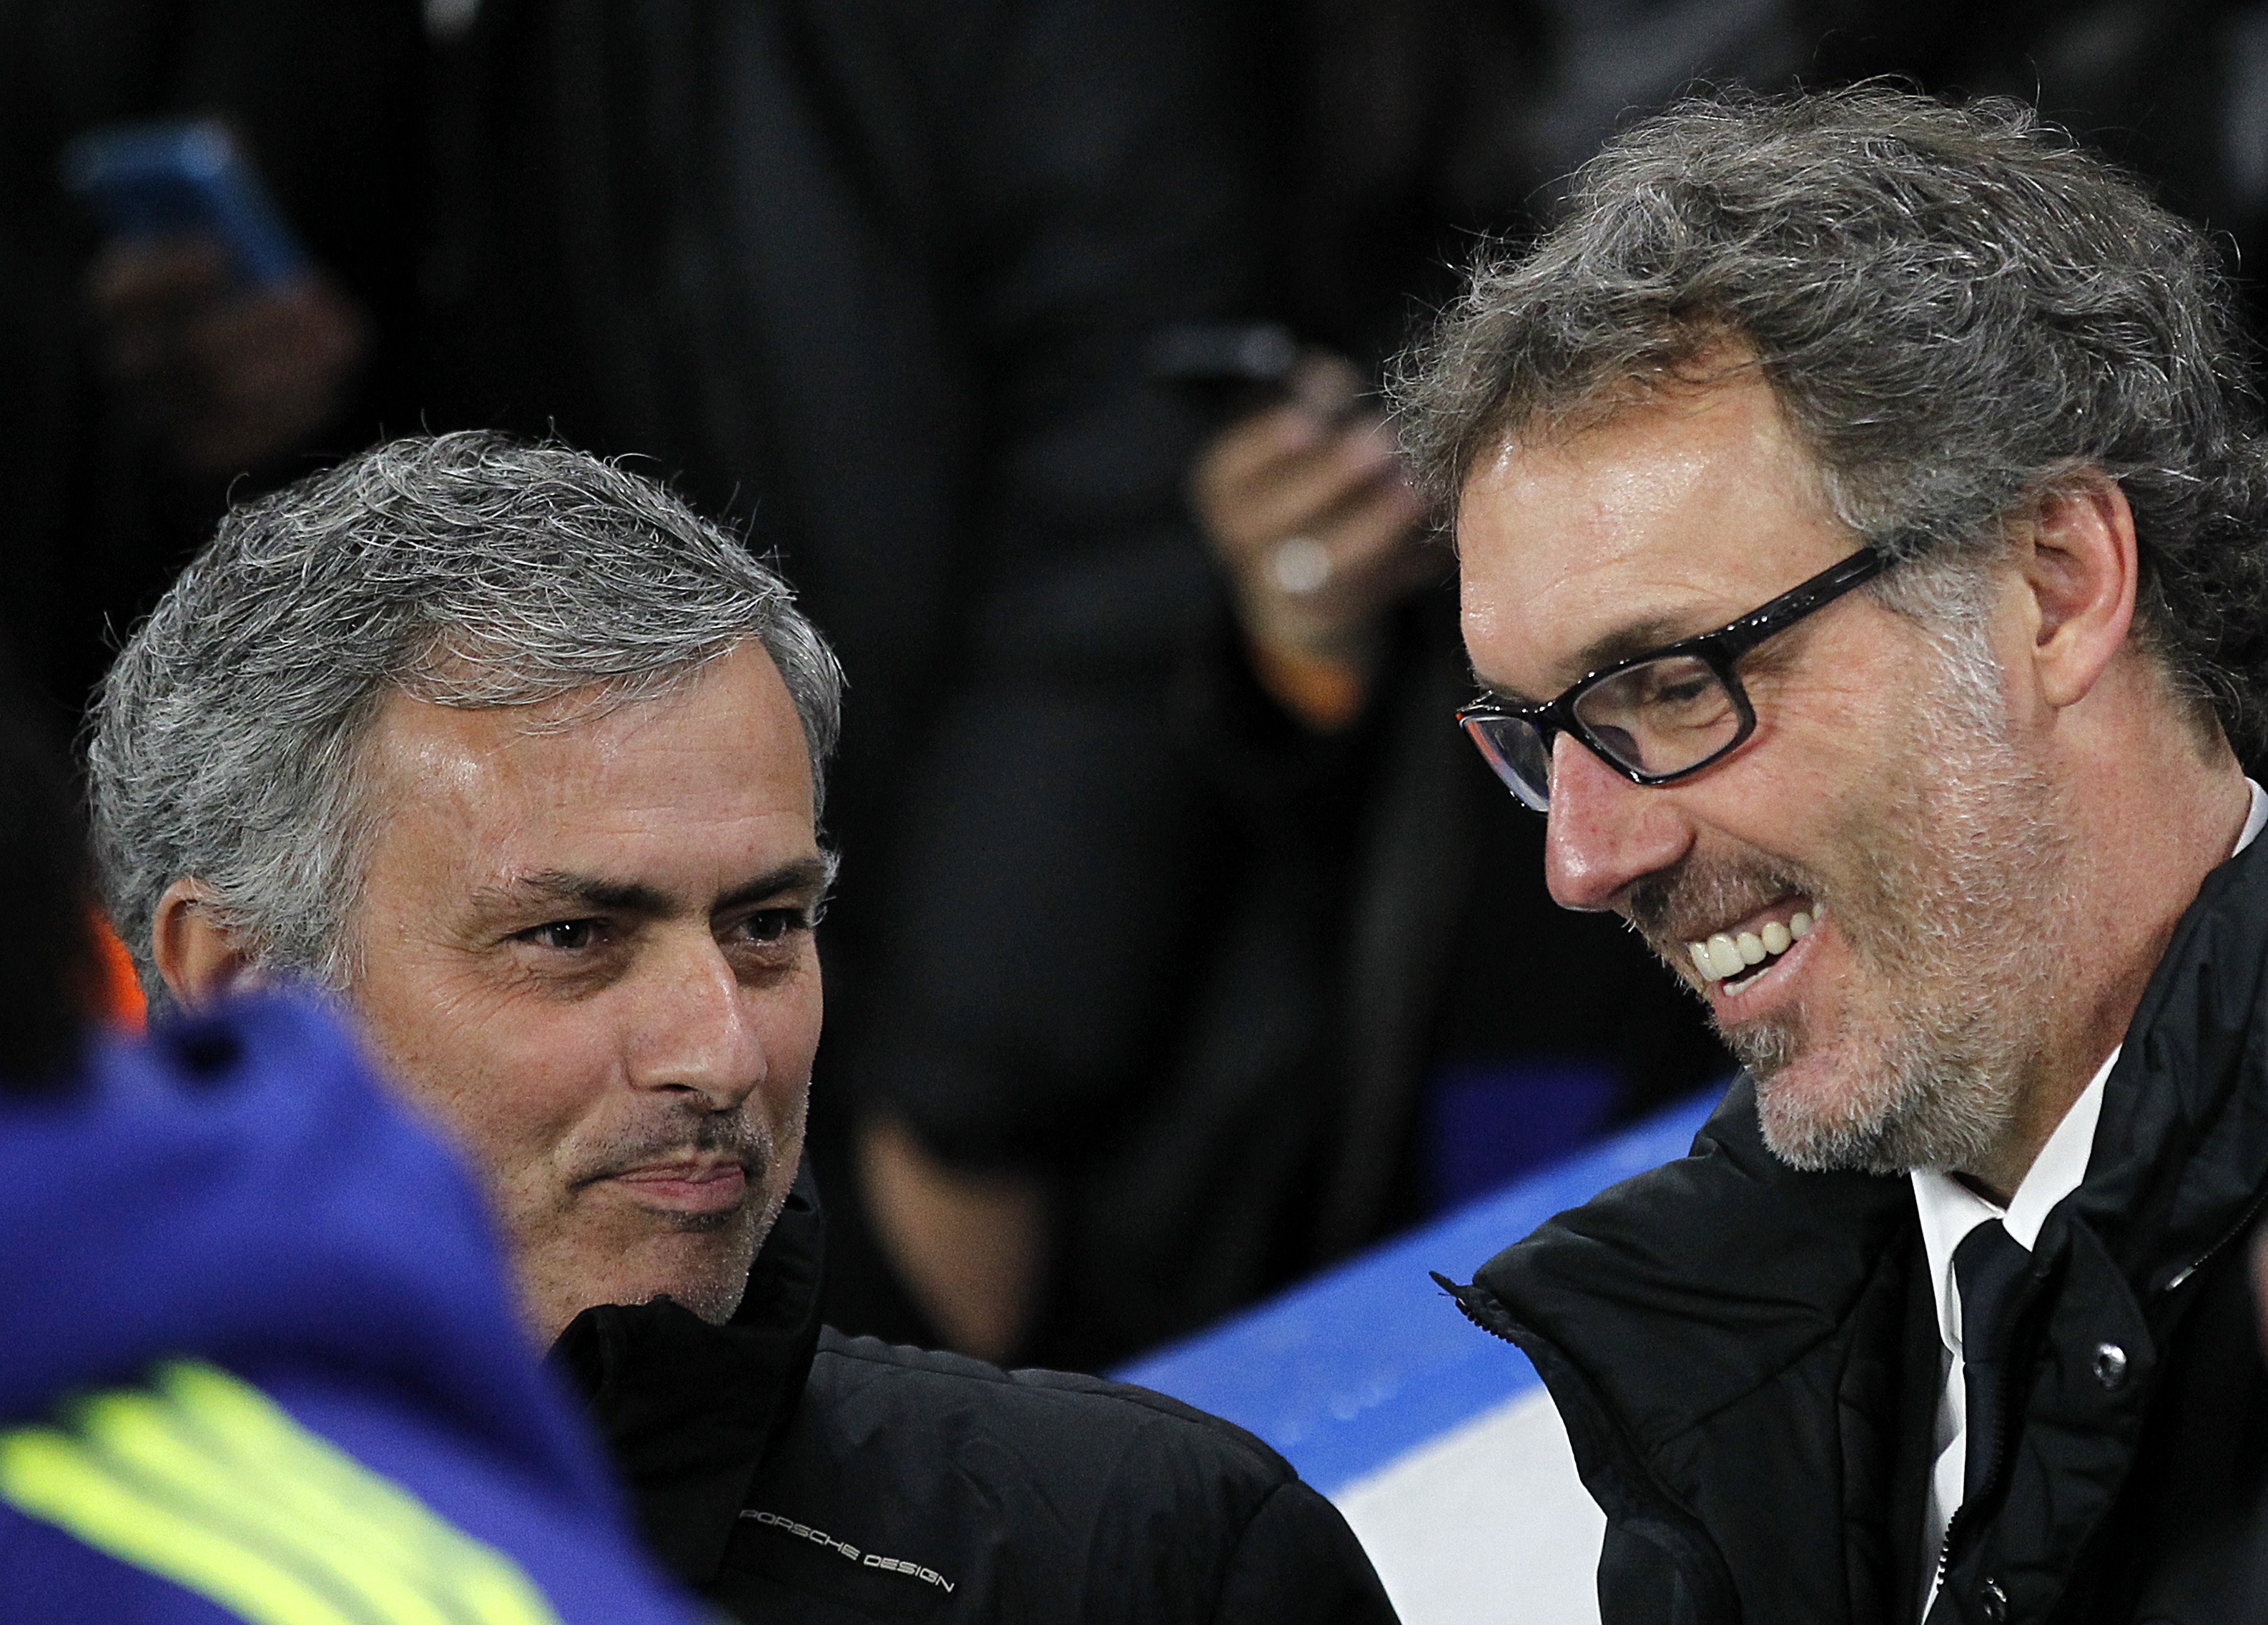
(1393, 1018)
(524, 760)
(876, 278)
(147, 376)
(261, 1358)
(1912, 739)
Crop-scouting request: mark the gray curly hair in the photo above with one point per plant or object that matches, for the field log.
(468, 569)
(1955, 308)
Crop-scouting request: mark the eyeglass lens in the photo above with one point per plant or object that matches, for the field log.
(1656, 718)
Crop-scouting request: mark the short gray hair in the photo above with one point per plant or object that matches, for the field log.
(1955, 308)
(468, 569)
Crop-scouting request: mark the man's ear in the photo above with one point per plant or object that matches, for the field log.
(198, 954)
(2078, 561)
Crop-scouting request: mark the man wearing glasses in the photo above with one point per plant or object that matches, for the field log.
(1860, 504)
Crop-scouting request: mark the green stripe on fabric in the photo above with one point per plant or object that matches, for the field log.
(210, 1483)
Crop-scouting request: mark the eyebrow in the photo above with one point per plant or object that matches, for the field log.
(1654, 632)
(556, 887)
(1608, 648)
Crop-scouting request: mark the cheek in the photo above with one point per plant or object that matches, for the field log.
(508, 1091)
(787, 1023)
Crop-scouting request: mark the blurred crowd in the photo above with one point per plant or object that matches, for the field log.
(1181, 945)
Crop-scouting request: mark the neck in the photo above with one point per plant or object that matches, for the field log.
(2144, 835)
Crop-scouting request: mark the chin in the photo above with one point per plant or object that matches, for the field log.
(1888, 1110)
(715, 1299)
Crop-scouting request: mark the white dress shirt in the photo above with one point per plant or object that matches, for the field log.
(1949, 1210)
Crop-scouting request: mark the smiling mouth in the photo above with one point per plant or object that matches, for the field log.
(1736, 957)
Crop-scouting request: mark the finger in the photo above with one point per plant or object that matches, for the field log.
(1304, 493)
(290, 340)
(1327, 385)
(1250, 448)
(1322, 391)
(158, 272)
(1373, 529)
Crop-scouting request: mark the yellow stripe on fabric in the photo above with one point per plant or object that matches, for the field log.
(50, 1476)
(147, 1437)
(322, 1484)
(312, 1477)
(223, 1459)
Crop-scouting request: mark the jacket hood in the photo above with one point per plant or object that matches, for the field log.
(688, 1410)
(237, 1188)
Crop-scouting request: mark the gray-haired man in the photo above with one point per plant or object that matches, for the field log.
(1860, 506)
(522, 758)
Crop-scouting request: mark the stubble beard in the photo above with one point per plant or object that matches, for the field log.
(715, 1293)
(1949, 912)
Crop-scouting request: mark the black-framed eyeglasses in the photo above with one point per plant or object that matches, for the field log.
(1660, 715)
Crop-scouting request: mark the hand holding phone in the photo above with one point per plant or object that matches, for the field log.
(223, 340)
(1306, 506)
(148, 183)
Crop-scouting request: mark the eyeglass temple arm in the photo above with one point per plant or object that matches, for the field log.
(1801, 599)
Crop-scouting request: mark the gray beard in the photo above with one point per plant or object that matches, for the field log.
(1958, 925)
(1951, 913)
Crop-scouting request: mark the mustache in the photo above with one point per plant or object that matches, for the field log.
(1700, 895)
(730, 1136)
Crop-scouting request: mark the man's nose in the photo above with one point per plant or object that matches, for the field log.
(1603, 833)
(694, 1033)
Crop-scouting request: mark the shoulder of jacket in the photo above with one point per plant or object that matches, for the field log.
(971, 1395)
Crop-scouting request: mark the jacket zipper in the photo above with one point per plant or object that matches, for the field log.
(1963, 1514)
(2227, 1238)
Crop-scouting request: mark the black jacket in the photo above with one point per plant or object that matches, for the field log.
(793, 1473)
(1748, 1364)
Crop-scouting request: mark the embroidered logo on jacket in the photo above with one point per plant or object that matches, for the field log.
(843, 1548)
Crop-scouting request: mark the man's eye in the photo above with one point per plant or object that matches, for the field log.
(770, 925)
(564, 936)
(1685, 691)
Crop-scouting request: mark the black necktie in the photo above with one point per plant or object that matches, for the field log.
(1988, 1266)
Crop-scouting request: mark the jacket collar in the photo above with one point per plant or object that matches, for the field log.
(2182, 1149)
(1682, 1291)
(688, 1410)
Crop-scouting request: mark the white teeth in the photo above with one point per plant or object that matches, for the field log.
(1728, 955)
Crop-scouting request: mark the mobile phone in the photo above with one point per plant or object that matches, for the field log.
(179, 179)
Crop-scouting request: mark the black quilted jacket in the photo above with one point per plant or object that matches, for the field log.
(1747, 1364)
(790, 1473)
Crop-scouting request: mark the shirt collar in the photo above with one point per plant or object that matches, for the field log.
(1949, 1209)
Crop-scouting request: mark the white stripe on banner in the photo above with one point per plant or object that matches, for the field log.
(1486, 1524)
(1435, 1438)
